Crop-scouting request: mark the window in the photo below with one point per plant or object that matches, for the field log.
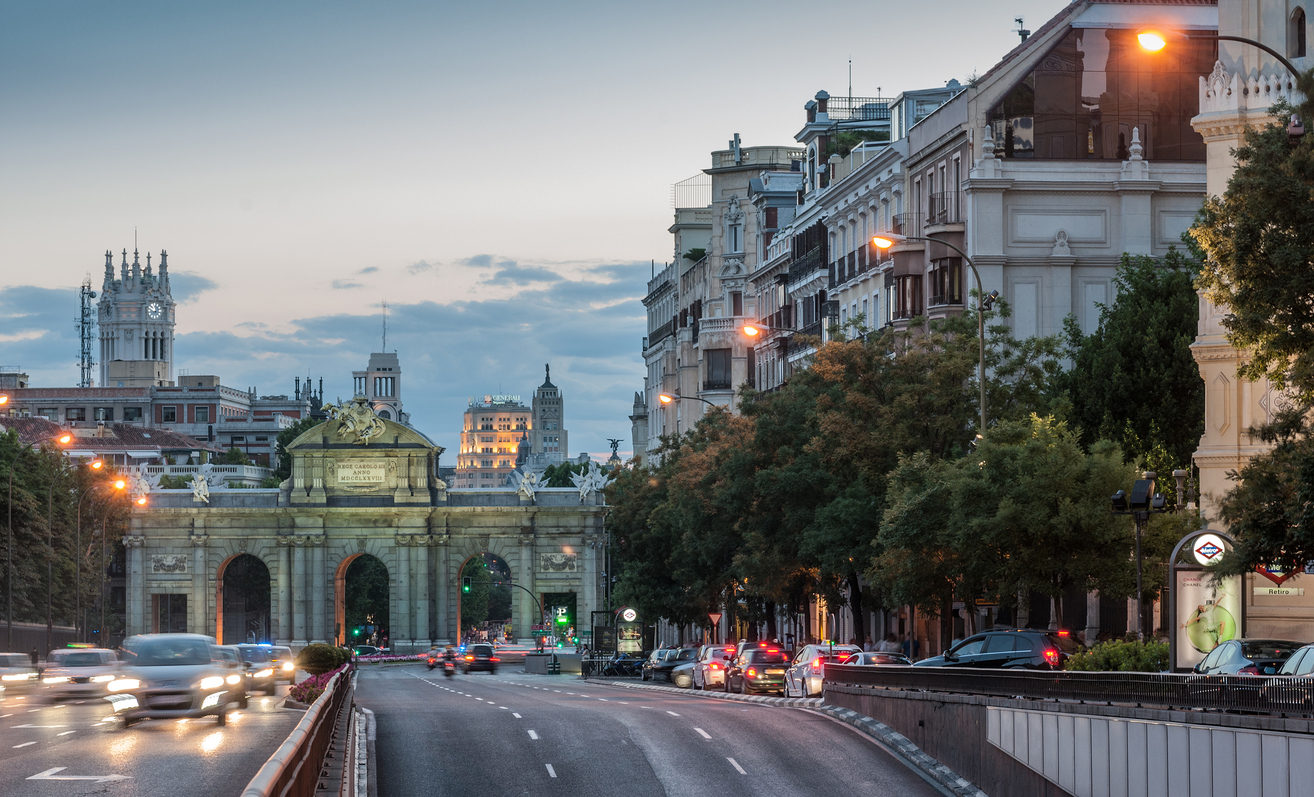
(105, 414)
(49, 413)
(1096, 86)
(736, 303)
(1296, 34)
(75, 414)
(946, 281)
(718, 369)
(132, 413)
(262, 439)
(908, 296)
(385, 415)
(238, 439)
(202, 414)
(168, 414)
(735, 237)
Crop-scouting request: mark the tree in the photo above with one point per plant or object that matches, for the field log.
(366, 593)
(474, 604)
(235, 456)
(283, 470)
(559, 475)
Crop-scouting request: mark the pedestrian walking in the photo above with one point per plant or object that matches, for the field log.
(36, 657)
(889, 645)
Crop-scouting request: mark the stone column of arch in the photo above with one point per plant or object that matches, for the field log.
(421, 593)
(282, 608)
(319, 630)
(136, 597)
(298, 591)
(199, 603)
(529, 614)
(400, 627)
(443, 627)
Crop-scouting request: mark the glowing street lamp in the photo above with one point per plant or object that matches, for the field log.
(670, 398)
(3, 399)
(117, 484)
(1156, 40)
(983, 301)
(62, 439)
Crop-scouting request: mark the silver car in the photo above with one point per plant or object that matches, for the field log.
(173, 676)
(79, 672)
(16, 672)
(709, 670)
(804, 676)
(285, 664)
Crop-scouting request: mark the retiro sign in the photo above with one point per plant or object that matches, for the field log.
(360, 471)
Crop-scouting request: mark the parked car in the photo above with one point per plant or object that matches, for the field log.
(231, 659)
(285, 664)
(173, 676)
(656, 657)
(757, 670)
(879, 660)
(803, 678)
(1247, 657)
(681, 675)
(79, 672)
(1293, 685)
(709, 668)
(480, 657)
(16, 672)
(1009, 649)
(677, 657)
(259, 669)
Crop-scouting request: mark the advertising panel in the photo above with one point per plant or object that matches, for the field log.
(1207, 614)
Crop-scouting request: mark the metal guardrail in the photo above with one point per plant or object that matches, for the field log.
(293, 770)
(1257, 694)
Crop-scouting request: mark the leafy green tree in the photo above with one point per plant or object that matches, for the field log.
(1134, 379)
(474, 604)
(283, 471)
(235, 456)
(366, 593)
(559, 475)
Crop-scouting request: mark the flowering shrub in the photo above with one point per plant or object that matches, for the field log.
(1118, 656)
(309, 690)
(381, 658)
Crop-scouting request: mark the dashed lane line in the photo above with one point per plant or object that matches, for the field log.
(552, 773)
(65, 733)
(672, 713)
(24, 744)
(533, 735)
(517, 716)
(703, 733)
(735, 764)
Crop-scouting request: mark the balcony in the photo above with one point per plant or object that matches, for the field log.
(779, 320)
(710, 385)
(813, 329)
(661, 333)
(806, 265)
(946, 207)
(907, 224)
(858, 109)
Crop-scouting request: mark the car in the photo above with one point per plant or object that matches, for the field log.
(655, 658)
(231, 659)
(480, 657)
(16, 672)
(173, 676)
(1247, 657)
(757, 670)
(79, 672)
(285, 664)
(1018, 648)
(709, 669)
(260, 673)
(366, 650)
(681, 675)
(804, 676)
(878, 659)
(674, 658)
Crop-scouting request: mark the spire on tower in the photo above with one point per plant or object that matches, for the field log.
(164, 270)
(148, 264)
(109, 271)
(123, 267)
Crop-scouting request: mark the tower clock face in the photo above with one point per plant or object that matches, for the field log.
(154, 310)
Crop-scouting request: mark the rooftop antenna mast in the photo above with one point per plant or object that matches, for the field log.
(851, 82)
(86, 323)
(385, 327)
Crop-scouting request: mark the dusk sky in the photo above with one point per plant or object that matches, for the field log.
(499, 173)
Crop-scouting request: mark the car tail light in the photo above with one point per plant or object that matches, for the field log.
(1064, 633)
(1251, 670)
(751, 673)
(469, 658)
(715, 666)
(1052, 657)
(494, 658)
(816, 665)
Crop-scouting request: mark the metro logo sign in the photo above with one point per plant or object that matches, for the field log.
(1274, 573)
(1209, 550)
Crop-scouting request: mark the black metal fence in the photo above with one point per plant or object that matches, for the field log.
(1255, 694)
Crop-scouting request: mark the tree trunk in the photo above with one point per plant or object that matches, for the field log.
(807, 623)
(771, 620)
(946, 622)
(855, 603)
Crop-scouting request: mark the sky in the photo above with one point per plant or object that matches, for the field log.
(498, 173)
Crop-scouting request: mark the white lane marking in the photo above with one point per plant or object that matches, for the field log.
(603, 699)
(65, 733)
(533, 735)
(517, 716)
(735, 764)
(24, 744)
(2, 716)
(672, 713)
(502, 707)
(552, 773)
(623, 702)
(558, 691)
(703, 733)
(40, 726)
(31, 710)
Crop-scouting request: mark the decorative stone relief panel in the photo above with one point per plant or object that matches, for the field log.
(169, 563)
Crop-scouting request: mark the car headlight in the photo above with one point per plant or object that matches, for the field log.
(265, 673)
(55, 679)
(288, 666)
(213, 682)
(101, 679)
(234, 679)
(23, 677)
(124, 684)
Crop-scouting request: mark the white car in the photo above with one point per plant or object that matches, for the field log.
(174, 676)
(804, 676)
(16, 672)
(79, 672)
(709, 670)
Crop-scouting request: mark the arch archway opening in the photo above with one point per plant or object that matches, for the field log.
(243, 601)
(487, 611)
(360, 601)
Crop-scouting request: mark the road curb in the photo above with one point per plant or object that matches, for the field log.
(902, 746)
(795, 702)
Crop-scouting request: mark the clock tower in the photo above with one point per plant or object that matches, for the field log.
(136, 315)
(548, 434)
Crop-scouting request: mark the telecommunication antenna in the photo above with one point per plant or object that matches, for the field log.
(86, 324)
(385, 327)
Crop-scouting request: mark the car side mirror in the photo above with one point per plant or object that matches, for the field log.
(949, 655)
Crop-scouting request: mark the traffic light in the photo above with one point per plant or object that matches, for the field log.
(465, 584)
(355, 631)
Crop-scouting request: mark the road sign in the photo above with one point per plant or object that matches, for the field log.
(715, 617)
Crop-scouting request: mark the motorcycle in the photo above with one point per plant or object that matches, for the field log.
(433, 662)
(449, 668)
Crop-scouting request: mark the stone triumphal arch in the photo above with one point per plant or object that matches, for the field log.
(360, 485)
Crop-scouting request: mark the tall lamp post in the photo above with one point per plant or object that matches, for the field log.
(1155, 39)
(117, 484)
(668, 398)
(984, 301)
(62, 439)
(1142, 503)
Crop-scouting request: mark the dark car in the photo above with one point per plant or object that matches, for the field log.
(479, 658)
(1294, 683)
(875, 659)
(757, 670)
(1008, 649)
(674, 658)
(1247, 657)
(654, 658)
(259, 664)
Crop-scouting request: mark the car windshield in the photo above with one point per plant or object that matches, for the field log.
(482, 650)
(14, 660)
(80, 659)
(171, 653)
(1063, 642)
(1268, 648)
(255, 655)
(880, 658)
(767, 657)
(688, 654)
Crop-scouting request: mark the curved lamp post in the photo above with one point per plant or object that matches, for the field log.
(63, 438)
(669, 398)
(117, 484)
(1156, 39)
(983, 302)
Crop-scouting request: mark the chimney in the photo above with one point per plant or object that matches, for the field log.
(823, 99)
(811, 107)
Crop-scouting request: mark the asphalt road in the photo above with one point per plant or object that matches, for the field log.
(64, 744)
(517, 734)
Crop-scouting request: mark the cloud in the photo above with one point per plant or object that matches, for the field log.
(508, 271)
(368, 270)
(419, 266)
(342, 285)
(186, 286)
(477, 261)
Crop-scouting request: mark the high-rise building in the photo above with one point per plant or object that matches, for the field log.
(136, 324)
(547, 432)
(380, 382)
(491, 433)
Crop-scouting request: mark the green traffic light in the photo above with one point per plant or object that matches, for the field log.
(465, 584)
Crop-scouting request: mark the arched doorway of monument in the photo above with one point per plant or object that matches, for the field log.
(360, 601)
(487, 611)
(242, 601)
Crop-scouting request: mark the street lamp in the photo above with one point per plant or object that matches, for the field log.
(753, 329)
(984, 301)
(117, 484)
(668, 398)
(1156, 39)
(63, 439)
(1142, 503)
